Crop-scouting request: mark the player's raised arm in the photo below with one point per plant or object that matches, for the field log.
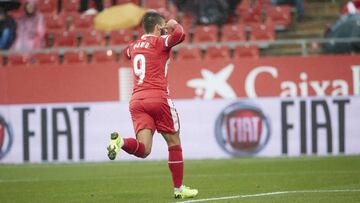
(125, 53)
(176, 33)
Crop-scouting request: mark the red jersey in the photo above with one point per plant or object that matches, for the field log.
(150, 59)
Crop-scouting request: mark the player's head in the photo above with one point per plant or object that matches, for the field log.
(154, 23)
(30, 7)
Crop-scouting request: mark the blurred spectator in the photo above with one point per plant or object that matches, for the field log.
(351, 7)
(299, 5)
(31, 28)
(213, 12)
(208, 11)
(7, 30)
(84, 5)
(232, 6)
(347, 26)
(185, 6)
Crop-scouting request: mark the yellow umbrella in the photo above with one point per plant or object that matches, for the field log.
(119, 17)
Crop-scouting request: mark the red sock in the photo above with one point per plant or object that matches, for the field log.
(132, 146)
(176, 165)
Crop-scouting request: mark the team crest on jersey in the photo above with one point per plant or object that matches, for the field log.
(242, 129)
(6, 137)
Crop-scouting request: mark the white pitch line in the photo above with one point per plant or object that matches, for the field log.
(268, 194)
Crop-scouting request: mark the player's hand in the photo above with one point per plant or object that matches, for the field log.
(171, 24)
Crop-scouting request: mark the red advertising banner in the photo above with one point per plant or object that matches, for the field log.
(206, 79)
(58, 83)
(276, 76)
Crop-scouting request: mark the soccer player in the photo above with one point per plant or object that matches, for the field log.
(150, 106)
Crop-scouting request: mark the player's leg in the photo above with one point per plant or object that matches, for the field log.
(169, 125)
(176, 166)
(144, 127)
(175, 158)
(141, 146)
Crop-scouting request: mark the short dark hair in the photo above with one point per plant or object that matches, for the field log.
(151, 19)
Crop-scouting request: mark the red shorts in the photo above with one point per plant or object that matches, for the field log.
(155, 114)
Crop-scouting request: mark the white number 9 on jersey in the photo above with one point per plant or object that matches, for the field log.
(139, 71)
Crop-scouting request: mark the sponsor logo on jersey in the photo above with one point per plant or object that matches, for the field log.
(6, 137)
(242, 129)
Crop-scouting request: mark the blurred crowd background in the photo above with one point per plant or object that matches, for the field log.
(27, 26)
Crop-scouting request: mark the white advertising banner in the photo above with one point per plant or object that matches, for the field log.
(209, 129)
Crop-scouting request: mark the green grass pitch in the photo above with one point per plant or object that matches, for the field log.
(149, 181)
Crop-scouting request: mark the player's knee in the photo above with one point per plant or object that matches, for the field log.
(173, 142)
(146, 153)
(172, 139)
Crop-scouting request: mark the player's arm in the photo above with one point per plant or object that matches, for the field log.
(176, 33)
(126, 52)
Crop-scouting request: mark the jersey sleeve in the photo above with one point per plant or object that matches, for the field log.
(176, 37)
(126, 52)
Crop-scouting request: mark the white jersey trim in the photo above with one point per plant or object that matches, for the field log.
(167, 67)
(147, 35)
(166, 41)
(168, 36)
(174, 115)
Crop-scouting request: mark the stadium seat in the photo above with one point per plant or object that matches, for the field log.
(187, 23)
(82, 23)
(218, 52)
(55, 23)
(233, 33)
(121, 37)
(106, 3)
(66, 39)
(187, 53)
(103, 56)
(280, 16)
(137, 32)
(262, 4)
(47, 6)
(243, 5)
(262, 32)
(250, 16)
(166, 13)
(206, 33)
(246, 51)
(137, 2)
(93, 38)
(18, 60)
(52, 34)
(70, 15)
(257, 5)
(154, 4)
(70, 18)
(75, 57)
(46, 58)
(71, 6)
